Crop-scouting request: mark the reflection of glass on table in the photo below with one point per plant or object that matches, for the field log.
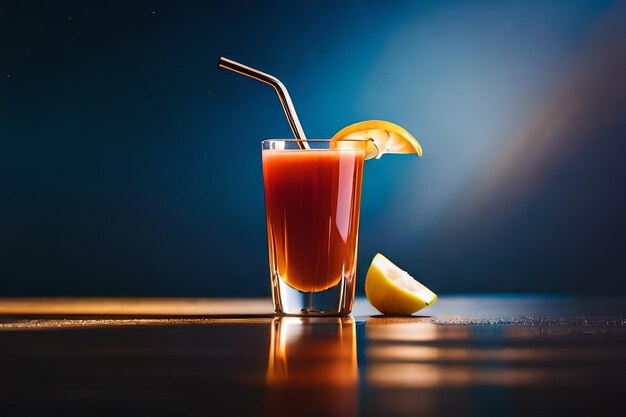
(312, 367)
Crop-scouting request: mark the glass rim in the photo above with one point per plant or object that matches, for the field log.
(312, 140)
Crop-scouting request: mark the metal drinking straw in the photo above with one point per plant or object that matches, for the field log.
(283, 95)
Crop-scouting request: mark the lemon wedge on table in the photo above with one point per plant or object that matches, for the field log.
(393, 291)
(384, 137)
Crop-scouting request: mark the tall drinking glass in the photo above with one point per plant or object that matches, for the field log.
(312, 202)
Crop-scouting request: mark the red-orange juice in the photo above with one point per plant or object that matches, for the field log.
(312, 199)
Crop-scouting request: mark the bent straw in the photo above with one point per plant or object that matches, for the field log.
(283, 95)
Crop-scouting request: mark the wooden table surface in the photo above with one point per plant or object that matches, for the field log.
(478, 356)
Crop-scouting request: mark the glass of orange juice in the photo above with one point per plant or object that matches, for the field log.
(312, 202)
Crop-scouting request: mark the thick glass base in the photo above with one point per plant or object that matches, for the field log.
(335, 301)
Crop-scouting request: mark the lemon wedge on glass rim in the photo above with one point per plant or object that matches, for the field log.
(384, 137)
(393, 291)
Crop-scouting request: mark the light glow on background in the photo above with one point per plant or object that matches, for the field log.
(131, 163)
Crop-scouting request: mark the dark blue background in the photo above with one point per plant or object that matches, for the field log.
(130, 163)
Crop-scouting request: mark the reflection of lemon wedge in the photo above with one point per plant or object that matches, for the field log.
(393, 291)
(384, 137)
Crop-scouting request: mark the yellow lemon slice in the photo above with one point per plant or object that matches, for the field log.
(385, 137)
(393, 291)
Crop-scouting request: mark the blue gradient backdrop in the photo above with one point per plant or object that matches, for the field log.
(130, 164)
